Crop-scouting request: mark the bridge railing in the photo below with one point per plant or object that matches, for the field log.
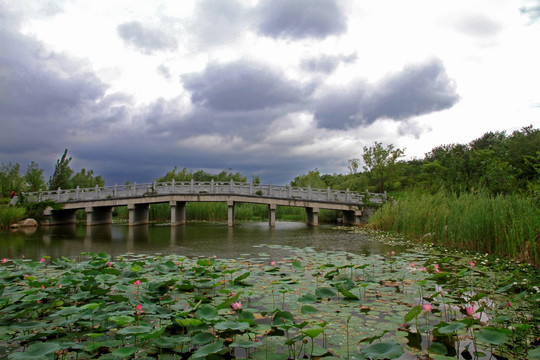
(211, 187)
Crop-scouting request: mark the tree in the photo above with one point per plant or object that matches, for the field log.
(381, 162)
(312, 178)
(10, 178)
(87, 179)
(34, 178)
(61, 177)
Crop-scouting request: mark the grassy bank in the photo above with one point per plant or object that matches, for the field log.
(504, 225)
(11, 215)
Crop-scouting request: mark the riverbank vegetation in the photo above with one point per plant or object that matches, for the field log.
(482, 195)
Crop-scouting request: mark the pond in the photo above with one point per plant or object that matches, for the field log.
(193, 239)
(204, 290)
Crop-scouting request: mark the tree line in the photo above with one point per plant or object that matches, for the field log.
(33, 179)
(496, 162)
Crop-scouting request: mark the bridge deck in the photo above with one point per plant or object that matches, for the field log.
(99, 201)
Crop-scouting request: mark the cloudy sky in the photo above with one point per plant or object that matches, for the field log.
(273, 88)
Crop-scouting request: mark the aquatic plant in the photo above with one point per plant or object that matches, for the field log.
(140, 306)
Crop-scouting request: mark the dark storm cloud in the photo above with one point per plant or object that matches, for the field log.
(326, 63)
(299, 19)
(416, 90)
(241, 86)
(145, 39)
(41, 91)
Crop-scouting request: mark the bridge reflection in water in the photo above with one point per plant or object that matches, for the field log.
(99, 202)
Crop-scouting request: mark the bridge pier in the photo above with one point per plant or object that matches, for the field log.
(230, 213)
(98, 215)
(352, 217)
(312, 216)
(59, 217)
(272, 214)
(178, 212)
(138, 214)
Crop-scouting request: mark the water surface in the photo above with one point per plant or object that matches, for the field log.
(192, 239)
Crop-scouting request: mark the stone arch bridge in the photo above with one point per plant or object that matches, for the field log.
(98, 202)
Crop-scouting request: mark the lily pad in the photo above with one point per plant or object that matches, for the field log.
(383, 350)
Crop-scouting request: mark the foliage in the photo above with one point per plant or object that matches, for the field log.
(381, 163)
(11, 215)
(309, 305)
(87, 179)
(505, 225)
(34, 180)
(10, 179)
(35, 210)
(61, 177)
(201, 175)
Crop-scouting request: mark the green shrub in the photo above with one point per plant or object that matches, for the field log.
(11, 215)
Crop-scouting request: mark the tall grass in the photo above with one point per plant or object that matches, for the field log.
(507, 225)
(11, 215)
(217, 211)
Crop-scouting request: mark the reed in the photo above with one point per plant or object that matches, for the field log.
(217, 211)
(507, 225)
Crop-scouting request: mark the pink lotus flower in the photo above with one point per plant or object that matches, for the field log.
(427, 307)
(26, 275)
(59, 286)
(42, 260)
(139, 309)
(236, 305)
(393, 253)
(137, 283)
(436, 268)
(508, 305)
(109, 264)
(471, 263)
(273, 263)
(470, 310)
(231, 294)
(423, 269)
(413, 265)
(42, 287)
(4, 260)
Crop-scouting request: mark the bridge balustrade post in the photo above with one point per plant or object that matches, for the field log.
(309, 192)
(134, 188)
(328, 193)
(77, 192)
(192, 186)
(172, 186)
(270, 189)
(289, 187)
(97, 192)
(58, 193)
(251, 188)
(347, 195)
(272, 214)
(230, 213)
(154, 187)
(115, 190)
(231, 186)
(211, 186)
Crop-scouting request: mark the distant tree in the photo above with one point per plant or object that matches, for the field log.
(34, 178)
(312, 178)
(61, 177)
(10, 178)
(381, 163)
(87, 179)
